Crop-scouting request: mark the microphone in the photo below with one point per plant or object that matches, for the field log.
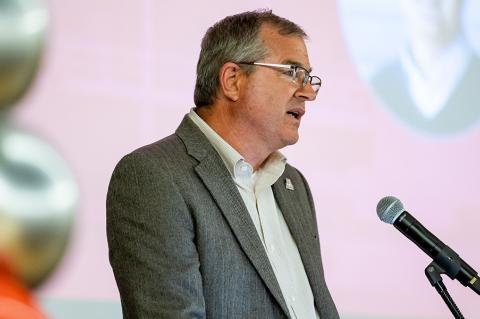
(390, 210)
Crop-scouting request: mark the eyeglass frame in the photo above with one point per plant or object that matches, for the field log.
(307, 79)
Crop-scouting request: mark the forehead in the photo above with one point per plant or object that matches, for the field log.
(284, 49)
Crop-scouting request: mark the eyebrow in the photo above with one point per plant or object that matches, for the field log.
(293, 62)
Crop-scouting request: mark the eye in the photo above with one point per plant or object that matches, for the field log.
(290, 72)
(301, 76)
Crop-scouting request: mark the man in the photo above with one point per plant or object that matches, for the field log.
(433, 85)
(211, 222)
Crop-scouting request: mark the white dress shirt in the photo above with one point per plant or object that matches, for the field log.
(431, 85)
(256, 191)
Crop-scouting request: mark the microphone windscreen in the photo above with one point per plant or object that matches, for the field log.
(389, 208)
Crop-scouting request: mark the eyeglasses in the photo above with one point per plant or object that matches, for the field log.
(297, 74)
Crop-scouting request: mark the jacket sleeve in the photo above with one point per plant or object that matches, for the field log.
(151, 239)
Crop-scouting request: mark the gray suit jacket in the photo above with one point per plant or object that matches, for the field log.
(181, 241)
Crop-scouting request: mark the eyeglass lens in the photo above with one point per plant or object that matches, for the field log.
(301, 77)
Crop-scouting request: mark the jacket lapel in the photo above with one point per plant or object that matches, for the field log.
(298, 216)
(217, 179)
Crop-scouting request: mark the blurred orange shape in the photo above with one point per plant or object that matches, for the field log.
(16, 301)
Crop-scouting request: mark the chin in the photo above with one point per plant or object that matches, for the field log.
(291, 140)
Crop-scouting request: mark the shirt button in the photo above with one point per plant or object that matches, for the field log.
(272, 248)
(293, 299)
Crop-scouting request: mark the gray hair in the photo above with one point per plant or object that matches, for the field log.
(235, 39)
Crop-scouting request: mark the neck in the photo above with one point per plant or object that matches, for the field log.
(225, 124)
(424, 52)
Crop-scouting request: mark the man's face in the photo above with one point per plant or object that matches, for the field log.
(432, 20)
(271, 104)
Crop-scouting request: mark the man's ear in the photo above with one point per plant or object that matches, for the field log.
(230, 77)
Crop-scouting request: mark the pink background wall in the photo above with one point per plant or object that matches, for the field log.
(119, 74)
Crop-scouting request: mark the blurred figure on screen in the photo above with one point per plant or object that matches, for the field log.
(433, 86)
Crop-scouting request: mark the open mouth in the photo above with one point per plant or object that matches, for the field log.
(294, 114)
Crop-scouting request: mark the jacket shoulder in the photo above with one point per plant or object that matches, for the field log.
(166, 153)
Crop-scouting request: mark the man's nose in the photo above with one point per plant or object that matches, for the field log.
(306, 93)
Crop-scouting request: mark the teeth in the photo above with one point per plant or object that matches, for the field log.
(294, 114)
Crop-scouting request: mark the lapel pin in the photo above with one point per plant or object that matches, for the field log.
(288, 184)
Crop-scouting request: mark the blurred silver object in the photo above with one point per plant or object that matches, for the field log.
(23, 25)
(38, 193)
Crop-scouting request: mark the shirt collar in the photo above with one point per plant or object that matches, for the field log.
(431, 86)
(238, 167)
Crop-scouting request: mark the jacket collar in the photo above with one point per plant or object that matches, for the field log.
(216, 177)
(298, 215)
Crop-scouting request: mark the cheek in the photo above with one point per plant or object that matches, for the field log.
(258, 99)
(268, 100)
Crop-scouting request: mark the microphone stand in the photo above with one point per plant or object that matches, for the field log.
(433, 273)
